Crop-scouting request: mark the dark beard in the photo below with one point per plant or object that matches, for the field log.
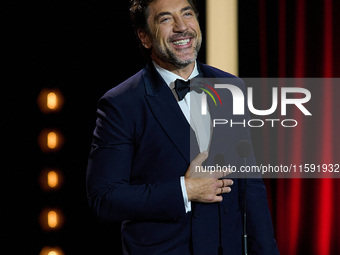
(170, 57)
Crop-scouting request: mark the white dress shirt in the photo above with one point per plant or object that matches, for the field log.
(201, 124)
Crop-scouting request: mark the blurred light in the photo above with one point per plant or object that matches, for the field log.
(50, 140)
(51, 251)
(51, 179)
(50, 100)
(51, 219)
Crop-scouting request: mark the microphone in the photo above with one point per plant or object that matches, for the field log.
(219, 160)
(244, 149)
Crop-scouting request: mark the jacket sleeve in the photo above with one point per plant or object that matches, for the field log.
(110, 194)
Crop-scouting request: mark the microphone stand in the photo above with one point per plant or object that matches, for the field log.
(245, 237)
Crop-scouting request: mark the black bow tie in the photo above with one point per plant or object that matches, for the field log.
(183, 87)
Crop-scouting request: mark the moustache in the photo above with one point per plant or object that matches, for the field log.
(179, 36)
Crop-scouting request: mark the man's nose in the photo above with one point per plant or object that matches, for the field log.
(180, 25)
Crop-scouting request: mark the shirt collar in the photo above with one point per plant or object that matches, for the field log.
(170, 77)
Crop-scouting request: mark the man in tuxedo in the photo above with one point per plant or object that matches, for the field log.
(146, 148)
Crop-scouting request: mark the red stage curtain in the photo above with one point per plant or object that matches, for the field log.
(305, 212)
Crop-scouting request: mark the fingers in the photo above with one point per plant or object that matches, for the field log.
(218, 199)
(219, 192)
(195, 168)
(200, 158)
(226, 182)
(205, 186)
(224, 188)
(220, 174)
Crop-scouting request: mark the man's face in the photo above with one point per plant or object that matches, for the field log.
(175, 33)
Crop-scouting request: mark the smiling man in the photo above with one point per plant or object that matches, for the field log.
(141, 162)
(173, 47)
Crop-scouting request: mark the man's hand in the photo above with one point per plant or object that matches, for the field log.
(205, 187)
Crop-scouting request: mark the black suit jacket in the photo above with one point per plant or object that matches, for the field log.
(141, 147)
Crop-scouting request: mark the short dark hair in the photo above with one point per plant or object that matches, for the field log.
(139, 13)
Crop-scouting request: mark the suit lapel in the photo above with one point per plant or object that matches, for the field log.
(167, 111)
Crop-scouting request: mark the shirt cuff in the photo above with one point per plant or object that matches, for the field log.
(187, 203)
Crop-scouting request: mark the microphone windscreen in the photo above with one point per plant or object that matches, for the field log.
(219, 160)
(244, 148)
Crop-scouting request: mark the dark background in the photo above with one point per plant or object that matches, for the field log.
(84, 49)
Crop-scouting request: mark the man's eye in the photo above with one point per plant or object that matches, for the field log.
(188, 14)
(164, 20)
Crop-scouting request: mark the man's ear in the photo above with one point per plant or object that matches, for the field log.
(144, 38)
